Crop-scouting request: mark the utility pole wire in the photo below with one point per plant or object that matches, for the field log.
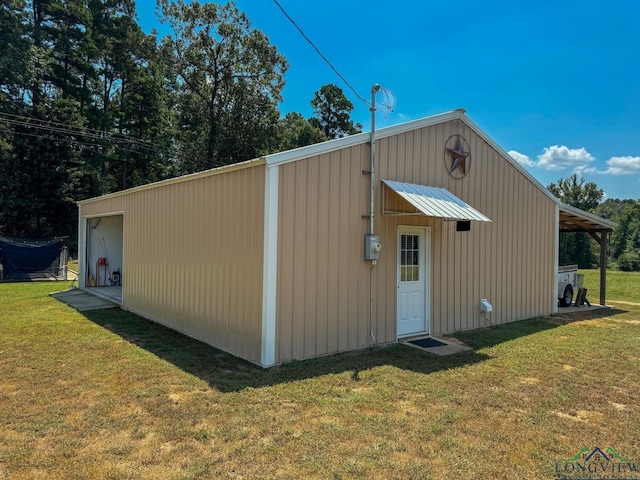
(389, 100)
(320, 53)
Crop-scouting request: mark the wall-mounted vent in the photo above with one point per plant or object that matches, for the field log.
(485, 306)
(463, 225)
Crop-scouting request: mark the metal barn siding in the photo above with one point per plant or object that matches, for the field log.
(323, 281)
(193, 254)
(265, 259)
(509, 261)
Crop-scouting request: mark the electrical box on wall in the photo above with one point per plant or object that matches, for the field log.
(372, 247)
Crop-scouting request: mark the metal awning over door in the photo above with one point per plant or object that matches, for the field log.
(430, 201)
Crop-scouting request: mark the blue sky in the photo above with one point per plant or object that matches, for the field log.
(555, 83)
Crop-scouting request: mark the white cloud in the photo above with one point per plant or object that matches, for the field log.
(521, 158)
(622, 166)
(582, 170)
(559, 157)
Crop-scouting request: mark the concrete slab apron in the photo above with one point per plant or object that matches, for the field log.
(83, 301)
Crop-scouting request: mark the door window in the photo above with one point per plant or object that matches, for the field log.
(409, 258)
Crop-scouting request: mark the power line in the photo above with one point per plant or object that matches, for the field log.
(98, 137)
(62, 128)
(91, 137)
(88, 135)
(71, 140)
(320, 53)
(88, 146)
(84, 131)
(388, 98)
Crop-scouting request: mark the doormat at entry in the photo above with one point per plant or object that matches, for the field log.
(427, 343)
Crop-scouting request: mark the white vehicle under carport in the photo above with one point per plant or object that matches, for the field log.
(569, 281)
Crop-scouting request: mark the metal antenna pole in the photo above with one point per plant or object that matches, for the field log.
(372, 109)
(374, 90)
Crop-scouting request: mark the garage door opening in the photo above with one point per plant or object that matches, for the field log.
(103, 270)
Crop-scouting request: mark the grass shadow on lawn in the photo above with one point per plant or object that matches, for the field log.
(494, 335)
(227, 373)
(577, 315)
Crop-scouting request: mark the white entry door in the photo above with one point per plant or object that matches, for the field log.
(413, 280)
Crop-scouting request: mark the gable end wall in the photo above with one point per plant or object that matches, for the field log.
(323, 281)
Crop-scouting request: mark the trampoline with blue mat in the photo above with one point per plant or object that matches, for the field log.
(23, 259)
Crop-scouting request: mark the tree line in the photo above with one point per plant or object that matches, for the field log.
(90, 104)
(624, 242)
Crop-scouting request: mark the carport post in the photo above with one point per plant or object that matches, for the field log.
(604, 235)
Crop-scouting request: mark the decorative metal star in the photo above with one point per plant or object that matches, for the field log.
(458, 156)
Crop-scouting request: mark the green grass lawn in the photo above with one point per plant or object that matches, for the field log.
(621, 286)
(110, 395)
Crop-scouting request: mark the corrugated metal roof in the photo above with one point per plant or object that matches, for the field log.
(436, 201)
(574, 219)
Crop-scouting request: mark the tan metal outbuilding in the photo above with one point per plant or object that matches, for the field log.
(265, 260)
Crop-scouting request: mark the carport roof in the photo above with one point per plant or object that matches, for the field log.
(573, 219)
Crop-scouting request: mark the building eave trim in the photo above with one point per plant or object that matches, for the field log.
(184, 178)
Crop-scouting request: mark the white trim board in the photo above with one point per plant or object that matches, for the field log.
(270, 267)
